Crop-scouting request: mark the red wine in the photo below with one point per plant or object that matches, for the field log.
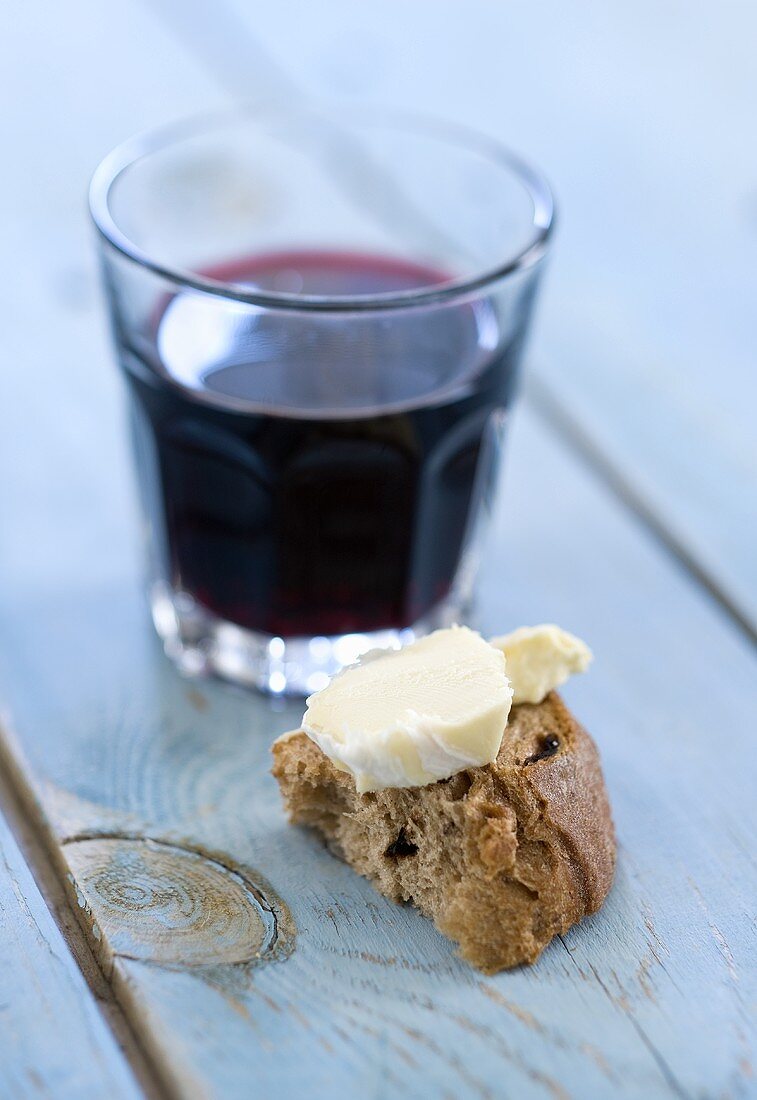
(312, 473)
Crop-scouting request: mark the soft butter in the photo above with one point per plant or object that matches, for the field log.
(540, 659)
(416, 715)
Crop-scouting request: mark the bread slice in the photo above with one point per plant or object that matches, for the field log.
(501, 857)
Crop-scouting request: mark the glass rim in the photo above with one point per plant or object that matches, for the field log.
(150, 141)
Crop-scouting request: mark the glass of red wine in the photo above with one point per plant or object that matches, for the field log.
(319, 320)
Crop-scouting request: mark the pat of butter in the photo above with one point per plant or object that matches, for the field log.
(416, 715)
(540, 659)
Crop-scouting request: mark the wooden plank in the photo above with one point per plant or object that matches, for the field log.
(53, 1040)
(116, 71)
(353, 993)
(637, 112)
(649, 997)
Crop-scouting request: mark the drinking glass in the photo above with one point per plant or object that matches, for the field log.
(319, 318)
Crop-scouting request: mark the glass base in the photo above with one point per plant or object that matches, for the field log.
(199, 644)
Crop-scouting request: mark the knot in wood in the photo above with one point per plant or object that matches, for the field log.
(171, 905)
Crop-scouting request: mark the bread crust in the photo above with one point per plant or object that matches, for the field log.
(502, 857)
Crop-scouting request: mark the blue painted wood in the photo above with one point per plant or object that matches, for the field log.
(53, 1040)
(651, 997)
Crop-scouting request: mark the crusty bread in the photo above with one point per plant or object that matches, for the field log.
(502, 857)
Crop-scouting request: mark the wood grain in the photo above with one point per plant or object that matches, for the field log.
(107, 746)
(173, 905)
(53, 1040)
(650, 997)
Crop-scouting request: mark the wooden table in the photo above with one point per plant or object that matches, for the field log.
(217, 951)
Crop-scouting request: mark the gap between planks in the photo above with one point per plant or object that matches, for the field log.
(552, 412)
(44, 858)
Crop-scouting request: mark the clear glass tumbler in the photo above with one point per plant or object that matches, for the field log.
(319, 320)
